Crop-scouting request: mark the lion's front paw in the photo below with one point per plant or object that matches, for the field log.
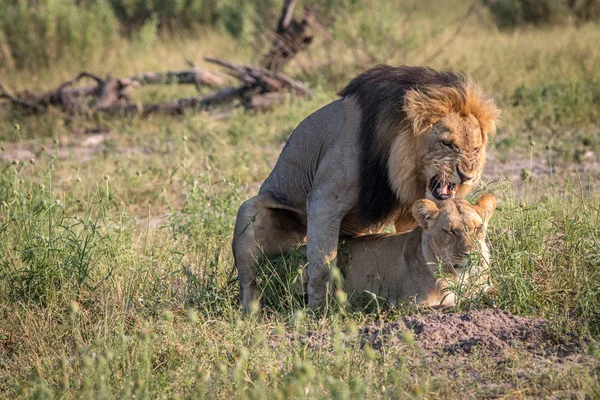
(249, 298)
(317, 295)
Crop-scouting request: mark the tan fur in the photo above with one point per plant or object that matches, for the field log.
(403, 267)
(425, 107)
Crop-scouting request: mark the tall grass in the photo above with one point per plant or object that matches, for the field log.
(120, 309)
(546, 256)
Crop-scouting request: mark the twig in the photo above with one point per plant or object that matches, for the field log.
(111, 95)
(286, 15)
(194, 76)
(79, 76)
(454, 35)
(4, 94)
(270, 81)
(234, 67)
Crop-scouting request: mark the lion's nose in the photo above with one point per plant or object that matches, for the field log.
(463, 177)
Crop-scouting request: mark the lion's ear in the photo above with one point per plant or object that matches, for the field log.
(425, 212)
(486, 205)
(422, 110)
(427, 106)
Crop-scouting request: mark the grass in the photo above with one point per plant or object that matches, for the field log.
(116, 271)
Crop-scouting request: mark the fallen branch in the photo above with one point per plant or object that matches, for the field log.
(109, 93)
(29, 106)
(194, 75)
(268, 80)
(259, 89)
(180, 106)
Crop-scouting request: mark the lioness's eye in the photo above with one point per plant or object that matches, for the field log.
(476, 149)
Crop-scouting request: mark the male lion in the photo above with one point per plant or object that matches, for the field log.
(402, 267)
(398, 134)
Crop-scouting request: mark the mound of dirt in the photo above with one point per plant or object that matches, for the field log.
(491, 331)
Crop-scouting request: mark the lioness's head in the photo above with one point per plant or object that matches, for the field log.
(451, 125)
(454, 231)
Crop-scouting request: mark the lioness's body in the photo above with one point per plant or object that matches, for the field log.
(359, 163)
(404, 267)
(395, 267)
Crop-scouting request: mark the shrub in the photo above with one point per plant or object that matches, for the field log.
(567, 103)
(509, 14)
(34, 33)
(171, 14)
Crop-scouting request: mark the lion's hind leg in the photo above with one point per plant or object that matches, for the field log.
(262, 229)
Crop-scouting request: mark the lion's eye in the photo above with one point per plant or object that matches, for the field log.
(449, 145)
(476, 149)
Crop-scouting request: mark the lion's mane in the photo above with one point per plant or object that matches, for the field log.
(398, 104)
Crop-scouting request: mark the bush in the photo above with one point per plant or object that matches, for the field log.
(171, 14)
(35, 33)
(509, 14)
(234, 15)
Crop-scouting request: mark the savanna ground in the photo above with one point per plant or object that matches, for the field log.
(116, 274)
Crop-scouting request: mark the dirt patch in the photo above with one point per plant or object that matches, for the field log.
(519, 169)
(490, 330)
(82, 148)
(495, 333)
(493, 330)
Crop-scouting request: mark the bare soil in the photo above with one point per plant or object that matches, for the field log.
(539, 173)
(493, 333)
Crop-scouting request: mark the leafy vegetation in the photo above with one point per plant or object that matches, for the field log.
(34, 34)
(509, 14)
(116, 273)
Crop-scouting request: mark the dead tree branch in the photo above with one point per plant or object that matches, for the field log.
(259, 88)
(268, 80)
(26, 105)
(291, 37)
(194, 76)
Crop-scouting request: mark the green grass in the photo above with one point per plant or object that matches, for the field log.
(116, 272)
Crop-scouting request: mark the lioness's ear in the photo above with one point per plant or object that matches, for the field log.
(425, 211)
(485, 206)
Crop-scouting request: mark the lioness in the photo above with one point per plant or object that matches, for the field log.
(397, 135)
(402, 267)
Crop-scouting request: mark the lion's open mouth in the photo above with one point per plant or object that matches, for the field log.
(441, 189)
